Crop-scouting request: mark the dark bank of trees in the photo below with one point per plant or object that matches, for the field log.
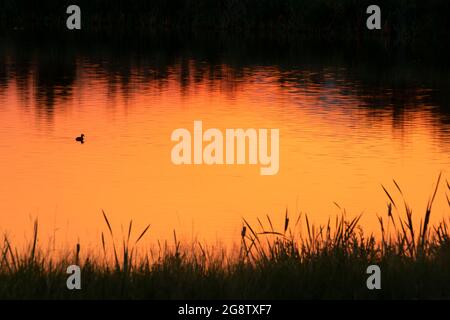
(404, 22)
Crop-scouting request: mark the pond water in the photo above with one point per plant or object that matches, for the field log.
(346, 128)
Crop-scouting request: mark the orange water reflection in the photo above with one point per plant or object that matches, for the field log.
(332, 149)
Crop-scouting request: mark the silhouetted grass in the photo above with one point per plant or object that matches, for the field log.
(298, 261)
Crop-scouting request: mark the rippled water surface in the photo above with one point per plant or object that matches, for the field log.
(344, 131)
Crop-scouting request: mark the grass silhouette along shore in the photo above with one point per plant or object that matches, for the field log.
(300, 261)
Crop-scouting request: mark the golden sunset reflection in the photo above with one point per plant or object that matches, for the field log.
(334, 147)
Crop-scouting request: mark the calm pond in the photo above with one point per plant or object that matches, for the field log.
(346, 127)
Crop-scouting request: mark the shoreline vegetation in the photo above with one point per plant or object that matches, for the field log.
(403, 22)
(300, 261)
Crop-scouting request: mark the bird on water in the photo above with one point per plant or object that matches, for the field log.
(80, 138)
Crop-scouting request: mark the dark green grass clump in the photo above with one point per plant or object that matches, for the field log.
(299, 261)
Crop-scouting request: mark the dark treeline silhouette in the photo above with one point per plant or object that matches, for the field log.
(414, 22)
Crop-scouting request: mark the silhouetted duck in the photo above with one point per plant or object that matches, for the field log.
(80, 138)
